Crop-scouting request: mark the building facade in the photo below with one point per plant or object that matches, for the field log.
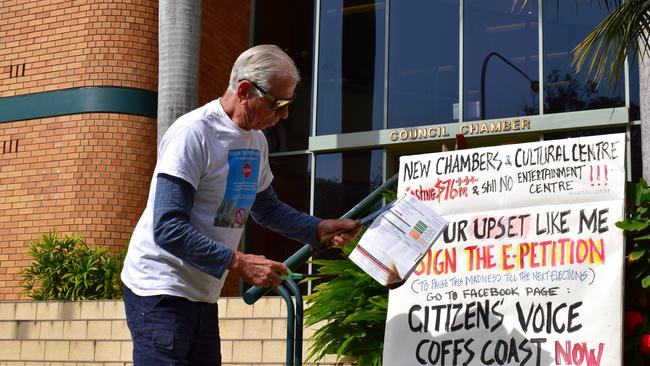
(383, 79)
(380, 79)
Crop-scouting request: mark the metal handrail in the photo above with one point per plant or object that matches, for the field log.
(297, 259)
(302, 255)
(290, 320)
(295, 315)
(297, 340)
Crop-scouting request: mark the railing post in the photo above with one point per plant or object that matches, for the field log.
(291, 323)
(298, 322)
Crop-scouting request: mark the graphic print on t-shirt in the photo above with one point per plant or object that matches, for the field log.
(243, 172)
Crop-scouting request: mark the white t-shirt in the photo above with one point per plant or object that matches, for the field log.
(227, 166)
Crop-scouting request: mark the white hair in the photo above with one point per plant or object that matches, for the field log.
(260, 64)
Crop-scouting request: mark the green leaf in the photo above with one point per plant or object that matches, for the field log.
(632, 225)
(636, 254)
(642, 238)
(645, 282)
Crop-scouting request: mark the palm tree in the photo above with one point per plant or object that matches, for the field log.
(623, 34)
(179, 34)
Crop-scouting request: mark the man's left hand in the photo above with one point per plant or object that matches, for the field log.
(338, 232)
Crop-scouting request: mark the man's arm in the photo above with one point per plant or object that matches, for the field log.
(270, 212)
(174, 233)
(276, 215)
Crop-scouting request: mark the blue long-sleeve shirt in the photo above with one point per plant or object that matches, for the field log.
(174, 232)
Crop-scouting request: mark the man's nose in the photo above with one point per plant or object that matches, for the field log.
(283, 112)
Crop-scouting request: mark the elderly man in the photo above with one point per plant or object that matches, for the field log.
(212, 171)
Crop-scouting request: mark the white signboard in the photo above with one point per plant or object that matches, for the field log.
(529, 270)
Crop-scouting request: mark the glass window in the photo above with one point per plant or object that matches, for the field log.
(292, 175)
(351, 66)
(342, 180)
(565, 25)
(345, 178)
(636, 154)
(423, 63)
(501, 59)
(635, 107)
(289, 24)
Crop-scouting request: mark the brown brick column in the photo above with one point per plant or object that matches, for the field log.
(89, 172)
(83, 173)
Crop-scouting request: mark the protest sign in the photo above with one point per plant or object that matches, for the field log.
(529, 270)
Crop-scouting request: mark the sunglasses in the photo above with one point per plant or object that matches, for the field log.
(276, 103)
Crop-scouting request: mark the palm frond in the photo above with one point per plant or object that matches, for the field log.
(614, 39)
(623, 34)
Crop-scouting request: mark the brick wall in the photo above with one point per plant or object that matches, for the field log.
(57, 44)
(89, 173)
(224, 35)
(86, 173)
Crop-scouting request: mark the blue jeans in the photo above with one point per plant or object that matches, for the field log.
(168, 330)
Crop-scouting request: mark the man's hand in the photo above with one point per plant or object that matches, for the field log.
(257, 270)
(337, 233)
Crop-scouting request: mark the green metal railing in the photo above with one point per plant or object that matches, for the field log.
(295, 312)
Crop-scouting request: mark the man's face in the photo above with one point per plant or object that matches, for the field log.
(260, 114)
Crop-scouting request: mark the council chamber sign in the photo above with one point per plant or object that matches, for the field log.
(529, 270)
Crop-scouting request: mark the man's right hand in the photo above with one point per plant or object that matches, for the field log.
(257, 270)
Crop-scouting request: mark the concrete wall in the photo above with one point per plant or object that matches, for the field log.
(94, 333)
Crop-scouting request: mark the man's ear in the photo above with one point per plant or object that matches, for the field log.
(243, 90)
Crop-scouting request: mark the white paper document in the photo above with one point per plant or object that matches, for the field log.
(396, 241)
